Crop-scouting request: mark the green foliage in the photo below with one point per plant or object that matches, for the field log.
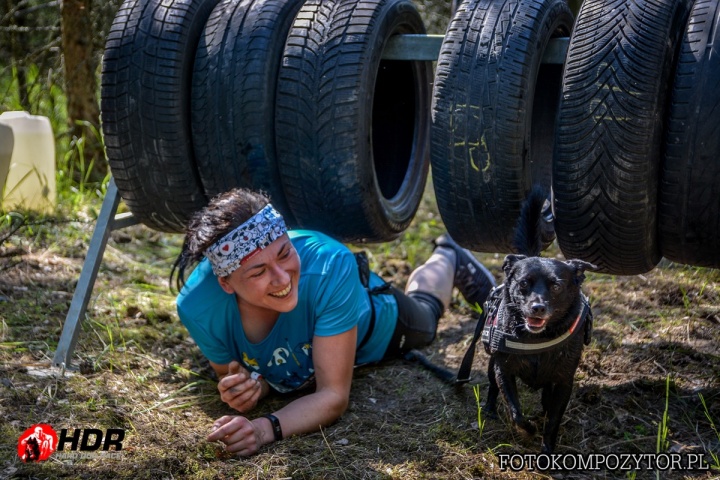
(44, 96)
(9, 224)
(662, 441)
(74, 177)
(480, 419)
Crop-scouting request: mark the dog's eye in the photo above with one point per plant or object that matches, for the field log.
(556, 288)
(523, 283)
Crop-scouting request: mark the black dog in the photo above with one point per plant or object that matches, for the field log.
(538, 322)
(534, 325)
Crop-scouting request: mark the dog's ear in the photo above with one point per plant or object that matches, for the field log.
(580, 266)
(510, 262)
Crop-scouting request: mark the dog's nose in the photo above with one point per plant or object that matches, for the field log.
(538, 309)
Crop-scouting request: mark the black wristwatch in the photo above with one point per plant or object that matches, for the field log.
(277, 429)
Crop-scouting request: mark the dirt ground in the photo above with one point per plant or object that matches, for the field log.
(655, 353)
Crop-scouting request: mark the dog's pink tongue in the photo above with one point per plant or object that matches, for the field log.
(535, 322)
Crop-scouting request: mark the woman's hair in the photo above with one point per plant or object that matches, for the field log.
(223, 214)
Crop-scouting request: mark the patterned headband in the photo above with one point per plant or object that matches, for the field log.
(227, 254)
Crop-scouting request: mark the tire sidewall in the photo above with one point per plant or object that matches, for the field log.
(399, 17)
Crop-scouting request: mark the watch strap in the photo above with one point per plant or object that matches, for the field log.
(277, 429)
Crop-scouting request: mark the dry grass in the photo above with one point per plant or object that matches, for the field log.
(139, 370)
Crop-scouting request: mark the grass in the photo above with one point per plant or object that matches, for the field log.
(662, 434)
(480, 420)
(713, 454)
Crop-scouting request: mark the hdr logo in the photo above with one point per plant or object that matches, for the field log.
(39, 441)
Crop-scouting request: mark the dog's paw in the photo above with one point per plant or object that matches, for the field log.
(489, 411)
(526, 426)
(546, 449)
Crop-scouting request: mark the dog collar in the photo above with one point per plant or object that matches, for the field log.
(495, 340)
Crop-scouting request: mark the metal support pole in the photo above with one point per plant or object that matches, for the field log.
(106, 222)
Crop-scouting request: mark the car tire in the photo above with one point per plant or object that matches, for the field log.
(233, 96)
(689, 205)
(145, 108)
(352, 128)
(617, 79)
(494, 107)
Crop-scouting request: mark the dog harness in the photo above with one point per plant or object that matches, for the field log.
(495, 340)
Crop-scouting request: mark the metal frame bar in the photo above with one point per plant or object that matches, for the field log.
(399, 47)
(107, 221)
(427, 47)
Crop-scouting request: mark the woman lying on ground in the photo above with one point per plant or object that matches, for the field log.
(283, 310)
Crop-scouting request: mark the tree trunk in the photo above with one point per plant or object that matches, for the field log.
(80, 66)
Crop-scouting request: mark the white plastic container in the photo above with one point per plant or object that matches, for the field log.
(30, 180)
(6, 148)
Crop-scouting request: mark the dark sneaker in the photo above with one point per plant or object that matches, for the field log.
(471, 277)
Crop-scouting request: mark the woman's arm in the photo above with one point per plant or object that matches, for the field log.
(333, 359)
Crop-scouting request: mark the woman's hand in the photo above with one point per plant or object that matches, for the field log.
(240, 435)
(238, 389)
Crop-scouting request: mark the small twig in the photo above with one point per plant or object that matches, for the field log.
(23, 222)
(9, 266)
(332, 453)
(13, 226)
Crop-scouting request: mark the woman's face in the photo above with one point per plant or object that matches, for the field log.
(268, 280)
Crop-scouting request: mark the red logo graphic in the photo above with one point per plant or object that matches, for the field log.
(37, 443)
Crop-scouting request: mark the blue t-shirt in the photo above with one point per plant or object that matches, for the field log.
(331, 300)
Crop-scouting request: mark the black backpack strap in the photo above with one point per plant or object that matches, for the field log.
(364, 271)
(371, 327)
(463, 375)
(493, 299)
(363, 264)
